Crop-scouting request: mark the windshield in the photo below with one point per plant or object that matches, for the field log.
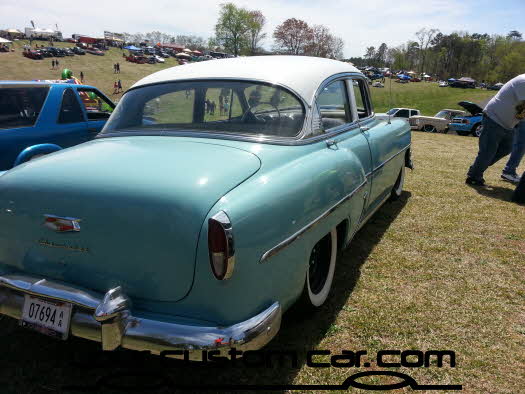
(442, 114)
(237, 107)
(392, 111)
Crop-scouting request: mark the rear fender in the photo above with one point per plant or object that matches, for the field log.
(31, 151)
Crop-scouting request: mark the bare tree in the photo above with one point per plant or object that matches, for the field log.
(292, 36)
(255, 26)
(425, 38)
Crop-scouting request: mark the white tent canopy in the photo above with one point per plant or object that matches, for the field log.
(4, 41)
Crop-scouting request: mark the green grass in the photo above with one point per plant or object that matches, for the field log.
(98, 71)
(442, 268)
(428, 97)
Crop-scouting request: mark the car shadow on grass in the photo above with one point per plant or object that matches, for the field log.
(35, 363)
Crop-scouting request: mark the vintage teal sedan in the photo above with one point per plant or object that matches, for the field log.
(217, 195)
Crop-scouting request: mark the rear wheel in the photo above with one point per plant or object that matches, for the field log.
(320, 272)
(429, 128)
(397, 190)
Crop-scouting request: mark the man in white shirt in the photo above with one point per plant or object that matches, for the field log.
(500, 117)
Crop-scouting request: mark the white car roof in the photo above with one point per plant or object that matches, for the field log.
(300, 73)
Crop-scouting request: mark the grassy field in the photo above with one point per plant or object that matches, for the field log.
(98, 71)
(442, 268)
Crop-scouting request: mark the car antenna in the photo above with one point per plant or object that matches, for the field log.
(390, 98)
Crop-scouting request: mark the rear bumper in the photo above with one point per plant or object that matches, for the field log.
(107, 319)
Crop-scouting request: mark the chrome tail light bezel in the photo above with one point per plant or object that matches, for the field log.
(223, 221)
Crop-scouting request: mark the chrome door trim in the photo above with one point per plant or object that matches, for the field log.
(288, 241)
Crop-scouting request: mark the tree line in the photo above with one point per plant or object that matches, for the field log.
(484, 57)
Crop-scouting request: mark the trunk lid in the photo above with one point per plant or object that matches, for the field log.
(141, 202)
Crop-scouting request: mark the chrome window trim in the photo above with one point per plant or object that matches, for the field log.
(288, 241)
(258, 139)
(300, 139)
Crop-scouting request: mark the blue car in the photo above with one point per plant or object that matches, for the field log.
(38, 118)
(470, 124)
(217, 196)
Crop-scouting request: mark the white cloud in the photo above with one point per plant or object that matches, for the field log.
(360, 23)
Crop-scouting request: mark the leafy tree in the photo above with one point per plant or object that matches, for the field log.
(231, 30)
(515, 35)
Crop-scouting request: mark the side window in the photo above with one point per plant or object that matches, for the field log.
(97, 106)
(221, 104)
(70, 111)
(402, 113)
(413, 113)
(361, 99)
(333, 106)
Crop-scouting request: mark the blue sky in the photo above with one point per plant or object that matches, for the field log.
(360, 23)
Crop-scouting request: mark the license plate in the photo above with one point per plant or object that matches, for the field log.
(47, 317)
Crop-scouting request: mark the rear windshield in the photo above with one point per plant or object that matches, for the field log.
(20, 106)
(236, 107)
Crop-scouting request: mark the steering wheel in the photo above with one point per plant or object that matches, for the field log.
(249, 111)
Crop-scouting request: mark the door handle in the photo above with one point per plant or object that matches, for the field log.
(365, 128)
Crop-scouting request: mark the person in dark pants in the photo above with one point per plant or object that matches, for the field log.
(519, 193)
(119, 84)
(53, 64)
(500, 117)
(517, 153)
(118, 68)
(81, 77)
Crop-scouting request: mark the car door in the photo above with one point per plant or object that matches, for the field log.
(97, 108)
(386, 140)
(71, 125)
(346, 144)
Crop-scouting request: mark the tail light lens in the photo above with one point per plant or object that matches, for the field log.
(221, 246)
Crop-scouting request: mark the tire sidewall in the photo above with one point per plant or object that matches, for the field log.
(316, 300)
(397, 190)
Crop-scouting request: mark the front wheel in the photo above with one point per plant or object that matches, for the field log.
(429, 128)
(320, 272)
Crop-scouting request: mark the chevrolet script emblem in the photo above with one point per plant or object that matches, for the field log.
(61, 224)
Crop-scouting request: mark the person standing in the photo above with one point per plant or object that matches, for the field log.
(119, 84)
(500, 117)
(114, 68)
(118, 68)
(56, 63)
(115, 87)
(517, 153)
(81, 77)
(53, 64)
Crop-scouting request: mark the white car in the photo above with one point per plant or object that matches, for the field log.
(159, 59)
(443, 84)
(398, 113)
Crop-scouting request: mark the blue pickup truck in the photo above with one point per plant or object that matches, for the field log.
(37, 118)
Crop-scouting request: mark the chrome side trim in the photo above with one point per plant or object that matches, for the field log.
(222, 218)
(282, 245)
(107, 319)
(391, 158)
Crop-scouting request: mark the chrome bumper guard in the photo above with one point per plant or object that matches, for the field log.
(108, 319)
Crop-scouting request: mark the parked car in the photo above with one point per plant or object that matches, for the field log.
(437, 123)
(42, 117)
(159, 59)
(95, 51)
(377, 84)
(398, 113)
(468, 124)
(175, 230)
(78, 51)
(68, 52)
(496, 87)
(443, 84)
(31, 54)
